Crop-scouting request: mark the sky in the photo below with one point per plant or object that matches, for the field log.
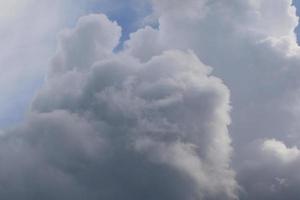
(152, 99)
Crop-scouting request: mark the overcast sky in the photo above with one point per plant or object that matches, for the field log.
(149, 100)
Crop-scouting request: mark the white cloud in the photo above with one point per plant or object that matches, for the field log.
(252, 46)
(160, 113)
(271, 172)
(27, 32)
(106, 125)
(280, 150)
(10, 9)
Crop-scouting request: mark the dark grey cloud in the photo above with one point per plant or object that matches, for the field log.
(108, 126)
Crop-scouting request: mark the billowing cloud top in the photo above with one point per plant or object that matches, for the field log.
(106, 125)
(149, 118)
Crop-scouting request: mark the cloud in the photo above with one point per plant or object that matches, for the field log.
(94, 38)
(27, 32)
(271, 172)
(106, 125)
(280, 150)
(12, 8)
(252, 46)
(150, 121)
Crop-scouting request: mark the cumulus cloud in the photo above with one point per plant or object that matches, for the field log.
(107, 125)
(252, 47)
(280, 150)
(27, 34)
(271, 172)
(150, 121)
